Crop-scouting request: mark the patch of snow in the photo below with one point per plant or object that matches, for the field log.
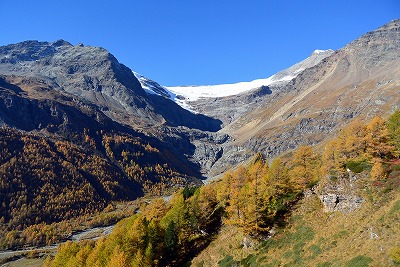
(148, 90)
(193, 93)
(154, 88)
(318, 51)
(299, 70)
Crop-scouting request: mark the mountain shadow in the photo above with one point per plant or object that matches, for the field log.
(177, 116)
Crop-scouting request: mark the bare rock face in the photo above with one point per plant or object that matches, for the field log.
(340, 202)
(341, 194)
(92, 75)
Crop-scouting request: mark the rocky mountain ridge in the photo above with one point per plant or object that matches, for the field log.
(310, 101)
(72, 87)
(359, 80)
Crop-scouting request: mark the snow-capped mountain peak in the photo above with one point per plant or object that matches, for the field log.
(318, 51)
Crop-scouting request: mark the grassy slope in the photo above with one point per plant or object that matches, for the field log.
(315, 238)
(25, 263)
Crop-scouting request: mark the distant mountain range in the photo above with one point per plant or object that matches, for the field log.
(304, 104)
(59, 91)
(183, 95)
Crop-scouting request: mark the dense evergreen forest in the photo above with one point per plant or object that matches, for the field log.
(253, 198)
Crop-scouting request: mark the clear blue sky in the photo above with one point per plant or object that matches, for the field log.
(187, 42)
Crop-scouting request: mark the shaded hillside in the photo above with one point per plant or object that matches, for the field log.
(45, 180)
(93, 75)
(70, 87)
(78, 132)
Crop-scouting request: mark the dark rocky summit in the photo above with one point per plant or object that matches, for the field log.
(93, 75)
(74, 87)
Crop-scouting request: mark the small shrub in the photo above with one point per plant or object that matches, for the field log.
(396, 168)
(274, 263)
(395, 208)
(303, 234)
(189, 191)
(357, 166)
(249, 261)
(341, 234)
(395, 254)
(358, 261)
(228, 262)
(333, 175)
(316, 250)
(288, 254)
(310, 185)
(33, 254)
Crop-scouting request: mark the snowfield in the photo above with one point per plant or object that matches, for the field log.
(183, 95)
(192, 93)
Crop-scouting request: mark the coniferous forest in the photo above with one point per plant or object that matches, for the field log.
(46, 182)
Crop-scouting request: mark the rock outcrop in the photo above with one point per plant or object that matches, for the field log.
(341, 194)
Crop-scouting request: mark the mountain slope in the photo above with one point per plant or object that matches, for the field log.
(303, 104)
(361, 79)
(78, 132)
(312, 237)
(92, 81)
(362, 75)
(92, 74)
(58, 91)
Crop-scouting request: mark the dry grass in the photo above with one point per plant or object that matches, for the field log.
(229, 242)
(312, 237)
(371, 231)
(25, 263)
